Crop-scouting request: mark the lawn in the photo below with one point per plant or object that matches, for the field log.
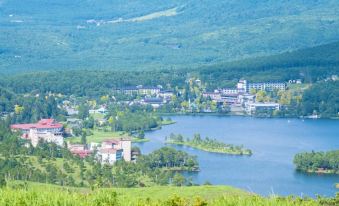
(99, 135)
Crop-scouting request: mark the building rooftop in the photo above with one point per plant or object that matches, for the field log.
(230, 95)
(260, 104)
(42, 124)
(111, 141)
(81, 153)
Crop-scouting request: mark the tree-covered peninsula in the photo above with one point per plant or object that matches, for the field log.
(318, 162)
(207, 144)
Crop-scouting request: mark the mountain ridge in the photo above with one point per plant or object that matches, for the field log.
(39, 35)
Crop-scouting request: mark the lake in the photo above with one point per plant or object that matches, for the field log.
(274, 143)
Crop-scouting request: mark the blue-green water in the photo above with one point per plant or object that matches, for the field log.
(274, 142)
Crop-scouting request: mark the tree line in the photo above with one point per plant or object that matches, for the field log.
(316, 161)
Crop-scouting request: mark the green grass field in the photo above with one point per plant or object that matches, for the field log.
(28, 193)
(98, 136)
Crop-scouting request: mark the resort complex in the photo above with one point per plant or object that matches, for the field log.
(50, 131)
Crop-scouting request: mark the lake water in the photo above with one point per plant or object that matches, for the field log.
(274, 143)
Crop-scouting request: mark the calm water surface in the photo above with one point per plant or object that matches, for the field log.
(274, 142)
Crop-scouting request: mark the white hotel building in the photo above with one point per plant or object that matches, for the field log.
(245, 86)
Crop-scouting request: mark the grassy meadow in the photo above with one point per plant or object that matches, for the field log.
(26, 193)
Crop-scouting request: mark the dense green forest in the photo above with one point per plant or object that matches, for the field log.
(155, 34)
(322, 98)
(137, 118)
(29, 108)
(326, 162)
(309, 65)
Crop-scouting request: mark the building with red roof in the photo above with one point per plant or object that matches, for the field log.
(47, 130)
(44, 125)
(81, 153)
(79, 149)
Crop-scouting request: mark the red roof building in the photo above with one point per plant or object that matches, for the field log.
(81, 153)
(44, 125)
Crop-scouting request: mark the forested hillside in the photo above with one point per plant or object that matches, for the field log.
(310, 65)
(154, 34)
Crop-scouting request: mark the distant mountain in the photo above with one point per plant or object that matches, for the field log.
(155, 34)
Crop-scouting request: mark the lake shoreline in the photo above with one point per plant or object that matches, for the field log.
(321, 172)
(274, 142)
(244, 115)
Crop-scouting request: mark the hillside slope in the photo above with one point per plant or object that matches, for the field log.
(310, 65)
(42, 194)
(40, 35)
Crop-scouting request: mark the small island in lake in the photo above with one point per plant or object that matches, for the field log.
(318, 162)
(208, 145)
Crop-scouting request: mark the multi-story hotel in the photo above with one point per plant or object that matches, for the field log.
(46, 129)
(245, 86)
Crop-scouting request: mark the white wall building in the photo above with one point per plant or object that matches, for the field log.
(148, 90)
(253, 107)
(245, 86)
(213, 95)
(109, 155)
(122, 147)
(226, 91)
(52, 137)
